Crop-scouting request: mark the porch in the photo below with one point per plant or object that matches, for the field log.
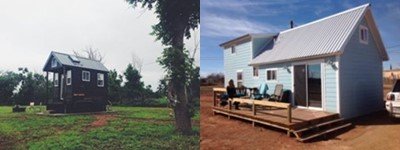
(304, 124)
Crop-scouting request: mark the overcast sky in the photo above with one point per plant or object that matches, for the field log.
(30, 30)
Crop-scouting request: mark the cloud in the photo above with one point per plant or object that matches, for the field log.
(224, 26)
(250, 7)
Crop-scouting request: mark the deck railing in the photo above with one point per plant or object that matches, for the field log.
(256, 103)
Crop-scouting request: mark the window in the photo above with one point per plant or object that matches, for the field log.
(86, 76)
(363, 34)
(239, 76)
(255, 71)
(100, 80)
(53, 63)
(55, 79)
(271, 75)
(69, 80)
(233, 49)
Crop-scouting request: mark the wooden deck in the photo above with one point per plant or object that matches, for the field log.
(301, 118)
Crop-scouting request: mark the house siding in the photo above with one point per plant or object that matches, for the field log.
(242, 57)
(330, 85)
(361, 77)
(238, 61)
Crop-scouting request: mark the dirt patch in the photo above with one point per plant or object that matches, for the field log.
(375, 131)
(101, 120)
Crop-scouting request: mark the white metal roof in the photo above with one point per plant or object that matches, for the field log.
(323, 37)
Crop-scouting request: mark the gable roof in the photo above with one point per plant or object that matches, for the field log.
(321, 38)
(65, 60)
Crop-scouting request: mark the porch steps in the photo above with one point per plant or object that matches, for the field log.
(320, 129)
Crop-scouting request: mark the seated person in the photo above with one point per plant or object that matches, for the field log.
(231, 93)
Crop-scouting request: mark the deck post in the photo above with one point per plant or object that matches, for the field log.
(289, 113)
(214, 98)
(254, 109)
(230, 104)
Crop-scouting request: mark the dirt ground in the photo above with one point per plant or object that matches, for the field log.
(101, 120)
(376, 131)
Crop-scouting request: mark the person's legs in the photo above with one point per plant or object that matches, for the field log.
(223, 100)
(236, 105)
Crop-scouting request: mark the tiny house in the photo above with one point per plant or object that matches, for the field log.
(333, 64)
(79, 84)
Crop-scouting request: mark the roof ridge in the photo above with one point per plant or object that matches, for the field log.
(75, 56)
(328, 17)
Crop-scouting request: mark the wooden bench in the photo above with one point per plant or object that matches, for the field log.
(255, 103)
(217, 91)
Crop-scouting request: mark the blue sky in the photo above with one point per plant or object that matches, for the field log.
(222, 20)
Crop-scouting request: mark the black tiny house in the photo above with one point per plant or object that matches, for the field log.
(79, 84)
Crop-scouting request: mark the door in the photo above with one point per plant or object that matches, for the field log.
(314, 85)
(300, 95)
(61, 86)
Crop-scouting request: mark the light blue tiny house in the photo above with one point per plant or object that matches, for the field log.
(333, 64)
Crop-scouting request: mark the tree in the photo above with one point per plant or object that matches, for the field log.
(114, 86)
(137, 62)
(162, 87)
(32, 88)
(176, 19)
(8, 82)
(91, 53)
(133, 86)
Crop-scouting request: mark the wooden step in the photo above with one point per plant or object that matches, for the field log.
(324, 132)
(319, 125)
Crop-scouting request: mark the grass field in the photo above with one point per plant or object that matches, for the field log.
(127, 128)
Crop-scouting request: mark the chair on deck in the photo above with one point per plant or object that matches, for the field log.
(277, 96)
(261, 92)
(241, 91)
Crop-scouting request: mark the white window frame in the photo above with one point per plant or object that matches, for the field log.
(83, 79)
(69, 77)
(237, 80)
(258, 71)
(233, 49)
(100, 76)
(55, 79)
(366, 36)
(53, 63)
(276, 75)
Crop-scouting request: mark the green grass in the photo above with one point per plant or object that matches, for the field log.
(131, 128)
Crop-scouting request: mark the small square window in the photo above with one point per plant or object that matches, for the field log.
(271, 75)
(69, 79)
(55, 79)
(86, 76)
(363, 34)
(100, 80)
(255, 71)
(233, 49)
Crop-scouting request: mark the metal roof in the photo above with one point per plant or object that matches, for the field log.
(320, 38)
(65, 59)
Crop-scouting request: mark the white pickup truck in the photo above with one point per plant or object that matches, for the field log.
(393, 101)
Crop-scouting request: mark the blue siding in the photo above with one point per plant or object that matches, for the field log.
(361, 77)
(283, 76)
(242, 57)
(238, 61)
(330, 87)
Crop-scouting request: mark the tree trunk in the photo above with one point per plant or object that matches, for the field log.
(182, 116)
